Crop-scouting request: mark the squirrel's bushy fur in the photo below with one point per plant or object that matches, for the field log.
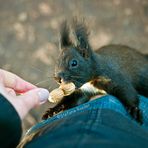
(124, 67)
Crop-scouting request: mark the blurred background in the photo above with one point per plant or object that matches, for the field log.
(29, 34)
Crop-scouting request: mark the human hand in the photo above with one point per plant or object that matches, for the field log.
(31, 96)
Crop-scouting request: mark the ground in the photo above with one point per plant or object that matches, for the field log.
(29, 34)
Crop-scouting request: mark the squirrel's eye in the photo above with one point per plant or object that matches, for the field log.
(73, 63)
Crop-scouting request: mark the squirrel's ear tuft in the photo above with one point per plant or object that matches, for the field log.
(81, 36)
(64, 35)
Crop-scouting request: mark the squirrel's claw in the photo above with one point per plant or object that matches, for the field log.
(136, 113)
(53, 111)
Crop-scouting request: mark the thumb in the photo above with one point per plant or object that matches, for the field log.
(31, 99)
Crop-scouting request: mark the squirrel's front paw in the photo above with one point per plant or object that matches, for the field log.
(136, 113)
(53, 111)
(47, 114)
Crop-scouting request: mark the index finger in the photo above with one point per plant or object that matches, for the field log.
(13, 81)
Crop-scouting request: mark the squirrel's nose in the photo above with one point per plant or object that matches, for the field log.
(59, 77)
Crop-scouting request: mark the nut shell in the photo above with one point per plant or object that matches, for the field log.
(56, 95)
(67, 88)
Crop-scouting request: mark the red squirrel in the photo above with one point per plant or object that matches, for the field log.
(117, 69)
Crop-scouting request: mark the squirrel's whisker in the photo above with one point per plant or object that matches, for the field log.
(42, 81)
(35, 68)
(76, 76)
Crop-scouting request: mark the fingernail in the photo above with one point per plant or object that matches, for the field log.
(43, 95)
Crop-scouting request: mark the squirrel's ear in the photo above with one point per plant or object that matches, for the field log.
(81, 37)
(64, 35)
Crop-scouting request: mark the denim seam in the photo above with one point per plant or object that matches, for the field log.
(92, 116)
(82, 135)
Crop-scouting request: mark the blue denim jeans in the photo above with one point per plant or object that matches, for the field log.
(102, 122)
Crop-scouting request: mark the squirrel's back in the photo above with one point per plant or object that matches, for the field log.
(122, 52)
(125, 56)
(128, 61)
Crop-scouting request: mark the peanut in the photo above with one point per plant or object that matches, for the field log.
(57, 94)
(67, 88)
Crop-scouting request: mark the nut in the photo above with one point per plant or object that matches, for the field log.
(56, 95)
(67, 88)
